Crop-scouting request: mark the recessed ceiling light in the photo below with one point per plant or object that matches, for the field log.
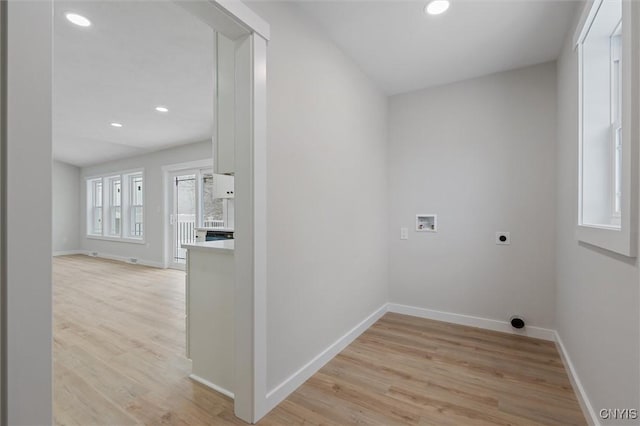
(436, 7)
(114, 124)
(79, 20)
(162, 109)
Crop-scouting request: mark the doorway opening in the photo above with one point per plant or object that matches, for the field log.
(183, 219)
(135, 85)
(31, 34)
(198, 201)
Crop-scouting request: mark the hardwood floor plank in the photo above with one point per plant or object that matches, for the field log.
(119, 345)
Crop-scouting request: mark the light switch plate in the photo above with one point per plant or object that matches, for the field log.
(404, 233)
(503, 238)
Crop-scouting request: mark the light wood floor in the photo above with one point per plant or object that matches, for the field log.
(119, 360)
(119, 348)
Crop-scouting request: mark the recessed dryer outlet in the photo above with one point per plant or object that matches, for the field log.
(503, 238)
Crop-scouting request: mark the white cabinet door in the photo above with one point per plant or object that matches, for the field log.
(223, 186)
(224, 143)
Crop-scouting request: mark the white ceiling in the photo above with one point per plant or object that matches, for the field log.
(403, 49)
(140, 54)
(135, 56)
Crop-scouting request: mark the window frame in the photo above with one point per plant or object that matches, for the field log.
(107, 180)
(200, 220)
(91, 189)
(616, 124)
(133, 205)
(620, 239)
(113, 206)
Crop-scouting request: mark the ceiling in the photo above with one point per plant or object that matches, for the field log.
(403, 49)
(135, 56)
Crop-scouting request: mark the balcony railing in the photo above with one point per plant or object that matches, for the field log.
(185, 229)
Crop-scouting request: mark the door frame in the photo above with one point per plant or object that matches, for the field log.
(191, 167)
(171, 201)
(28, 332)
(167, 171)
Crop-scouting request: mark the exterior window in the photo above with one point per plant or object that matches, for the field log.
(607, 209)
(115, 206)
(213, 209)
(94, 196)
(601, 118)
(616, 122)
(136, 229)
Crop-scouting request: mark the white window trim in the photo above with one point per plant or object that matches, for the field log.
(90, 186)
(616, 215)
(616, 124)
(109, 196)
(106, 178)
(622, 239)
(132, 205)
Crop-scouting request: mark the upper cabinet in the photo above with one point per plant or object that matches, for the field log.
(224, 137)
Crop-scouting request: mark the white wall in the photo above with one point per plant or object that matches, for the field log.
(152, 251)
(327, 208)
(66, 208)
(597, 302)
(480, 154)
(28, 215)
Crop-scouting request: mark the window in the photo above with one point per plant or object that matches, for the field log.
(94, 198)
(616, 122)
(117, 211)
(136, 218)
(115, 207)
(213, 209)
(606, 211)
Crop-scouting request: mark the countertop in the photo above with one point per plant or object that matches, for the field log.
(214, 229)
(220, 245)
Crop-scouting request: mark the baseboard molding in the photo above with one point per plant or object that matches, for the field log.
(585, 404)
(124, 259)
(213, 386)
(284, 389)
(488, 324)
(67, 252)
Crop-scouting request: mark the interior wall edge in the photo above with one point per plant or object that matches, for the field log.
(278, 394)
(29, 340)
(3, 221)
(581, 393)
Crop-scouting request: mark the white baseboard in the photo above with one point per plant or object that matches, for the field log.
(284, 389)
(503, 326)
(124, 259)
(67, 252)
(489, 324)
(212, 386)
(585, 404)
